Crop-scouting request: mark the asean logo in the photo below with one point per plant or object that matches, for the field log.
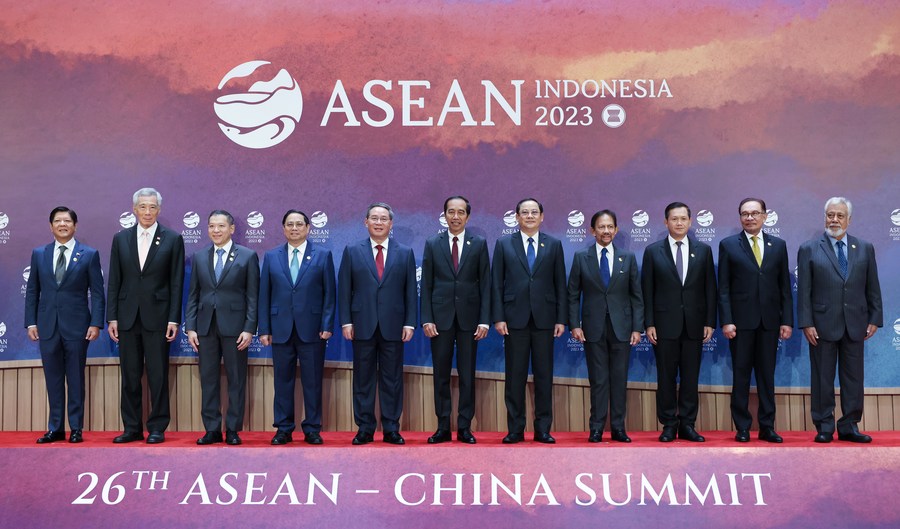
(255, 219)
(191, 219)
(640, 218)
(509, 218)
(4, 220)
(2, 329)
(263, 115)
(771, 219)
(704, 217)
(442, 218)
(127, 219)
(895, 217)
(319, 219)
(576, 218)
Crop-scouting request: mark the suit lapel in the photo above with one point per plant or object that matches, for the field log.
(229, 260)
(49, 261)
(541, 250)
(284, 257)
(304, 263)
(211, 263)
(617, 264)
(154, 244)
(852, 253)
(131, 245)
(825, 245)
(669, 259)
(389, 261)
(74, 261)
(444, 250)
(519, 249)
(368, 257)
(746, 248)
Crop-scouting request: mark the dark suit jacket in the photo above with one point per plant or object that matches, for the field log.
(669, 305)
(64, 307)
(589, 300)
(233, 300)
(751, 296)
(307, 305)
(518, 294)
(156, 291)
(829, 303)
(464, 295)
(367, 303)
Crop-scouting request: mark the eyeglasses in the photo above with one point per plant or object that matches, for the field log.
(530, 213)
(294, 224)
(751, 214)
(381, 220)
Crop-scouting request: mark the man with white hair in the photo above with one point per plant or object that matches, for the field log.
(838, 309)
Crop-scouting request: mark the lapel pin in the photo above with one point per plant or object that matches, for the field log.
(692, 255)
(769, 244)
(542, 245)
(75, 259)
(308, 258)
(853, 246)
(468, 243)
(620, 259)
(157, 243)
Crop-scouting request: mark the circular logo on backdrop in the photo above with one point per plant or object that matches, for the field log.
(127, 219)
(263, 114)
(576, 218)
(2, 329)
(4, 220)
(772, 219)
(319, 219)
(895, 217)
(613, 116)
(442, 218)
(191, 219)
(509, 218)
(704, 217)
(640, 218)
(897, 326)
(26, 273)
(255, 219)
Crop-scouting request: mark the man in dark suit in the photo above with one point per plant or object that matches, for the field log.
(679, 286)
(606, 314)
(755, 310)
(59, 315)
(146, 278)
(528, 304)
(296, 316)
(378, 296)
(456, 303)
(838, 308)
(220, 320)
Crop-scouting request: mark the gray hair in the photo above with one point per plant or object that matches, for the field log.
(839, 200)
(380, 205)
(147, 192)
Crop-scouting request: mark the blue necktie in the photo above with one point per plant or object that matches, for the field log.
(604, 268)
(295, 266)
(842, 259)
(679, 262)
(220, 264)
(530, 255)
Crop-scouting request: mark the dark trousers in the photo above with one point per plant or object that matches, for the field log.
(607, 363)
(63, 362)
(442, 360)
(677, 360)
(284, 369)
(377, 359)
(216, 349)
(139, 347)
(753, 350)
(522, 346)
(847, 354)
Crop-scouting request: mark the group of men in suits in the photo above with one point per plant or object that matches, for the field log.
(606, 301)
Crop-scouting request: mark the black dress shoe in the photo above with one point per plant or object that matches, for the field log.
(232, 438)
(854, 437)
(210, 438)
(362, 438)
(51, 436)
(393, 438)
(313, 438)
(440, 436)
(596, 436)
(155, 438)
(129, 437)
(688, 433)
(743, 436)
(770, 435)
(464, 435)
(620, 436)
(544, 437)
(667, 435)
(75, 436)
(822, 438)
(513, 438)
(282, 438)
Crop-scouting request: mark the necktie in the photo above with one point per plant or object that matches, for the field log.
(530, 254)
(144, 247)
(61, 265)
(220, 264)
(756, 252)
(295, 265)
(679, 261)
(604, 268)
(454, 253)
(842, 259)
(379, 261)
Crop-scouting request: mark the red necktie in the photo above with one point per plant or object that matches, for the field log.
(379, 261)
(455, 254)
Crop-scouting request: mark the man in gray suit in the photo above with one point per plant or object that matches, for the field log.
(838, 308)
(220, 319)
(606, 314)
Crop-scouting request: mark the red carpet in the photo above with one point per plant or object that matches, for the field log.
(716, 439)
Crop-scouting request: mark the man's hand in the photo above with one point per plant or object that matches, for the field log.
(171, 332)
(501, 329)
(730, 331)
(194, 340)
(651, 334)
(92, 333)
(812, 336)
(430, 330)
(113, 330)
(578, 334)
(243, 340)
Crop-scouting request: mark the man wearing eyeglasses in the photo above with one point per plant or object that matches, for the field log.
(378, 298)
(838, 308)
(755, 310)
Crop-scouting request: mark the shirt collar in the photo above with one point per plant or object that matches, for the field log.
(226, 247)
(373, 244)
(462, 235)
(536, 236)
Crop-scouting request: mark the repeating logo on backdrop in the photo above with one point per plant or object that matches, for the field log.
(26, 273)
(127, 219)
(576, 233)
(640, 232)
(255, 233)
(509, 220)
(192, 232)
(771, 221)
(263, 114)
(704, 232)
(894, 232)
(4, 233)
(895, 341)
(317, 232)
(3, 341)
(442, 219)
